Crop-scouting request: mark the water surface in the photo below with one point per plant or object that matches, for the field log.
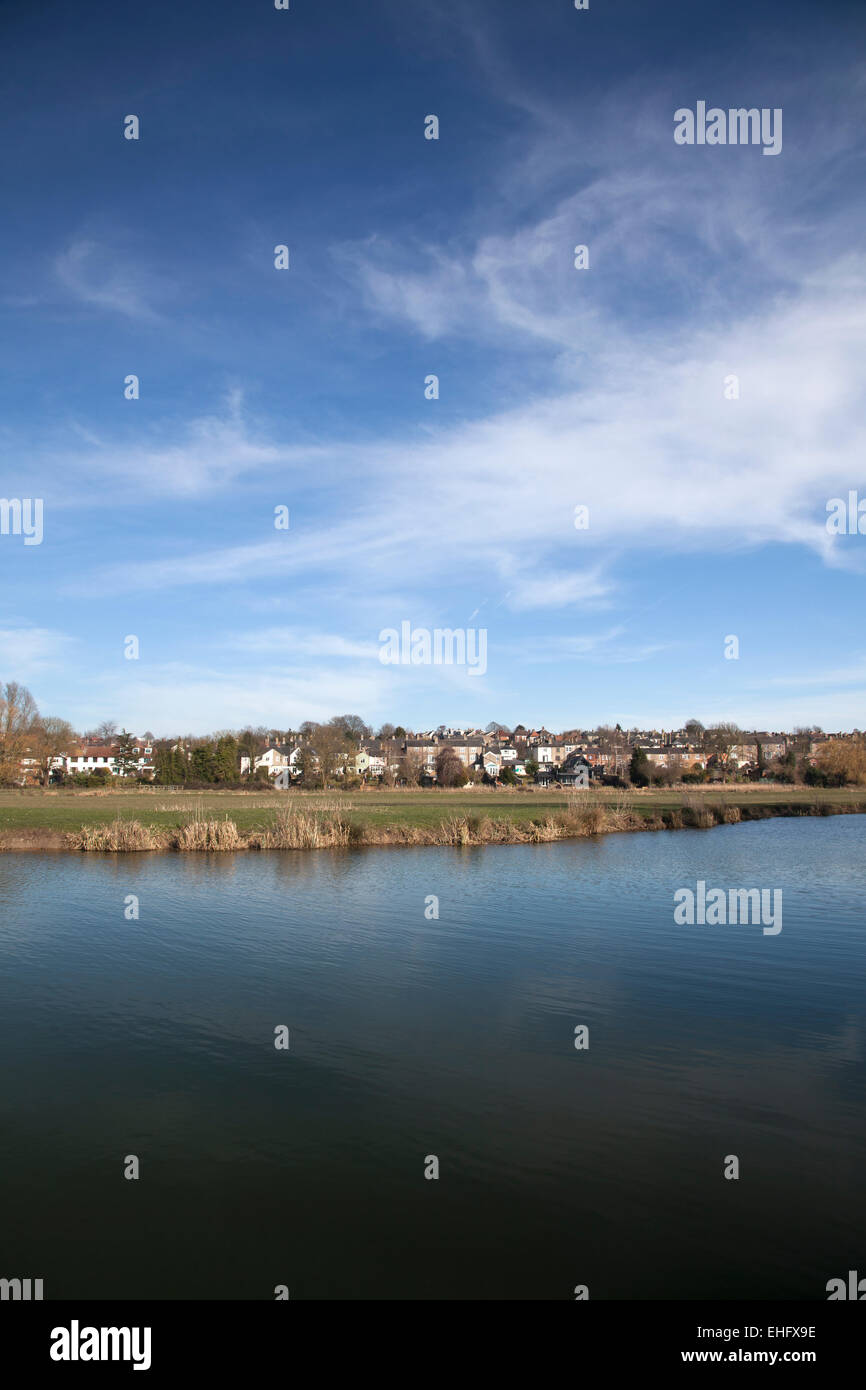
(451, 1037)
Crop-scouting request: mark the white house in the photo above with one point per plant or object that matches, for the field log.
(275, 760)
(92, 758)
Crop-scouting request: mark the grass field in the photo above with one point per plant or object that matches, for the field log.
(38, 811)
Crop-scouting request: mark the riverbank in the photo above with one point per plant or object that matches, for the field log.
(154, 821)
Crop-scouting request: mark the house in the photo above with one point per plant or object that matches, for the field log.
(772, 745)
(544, 753)
(276, 760)
(574, 777)
(369, 762)
(142, 751)
(492, 764)
(426, 749)
(92, 758)
(423, 750)
(575, 771)
(496, 733)
(544, 775)
(467, 748)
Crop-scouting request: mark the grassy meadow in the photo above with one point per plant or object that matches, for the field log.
(153, 818)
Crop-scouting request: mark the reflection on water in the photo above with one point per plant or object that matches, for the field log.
(452, 1037)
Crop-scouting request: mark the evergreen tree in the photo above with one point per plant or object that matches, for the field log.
(125, 761)
(639, 769)
(226, 758)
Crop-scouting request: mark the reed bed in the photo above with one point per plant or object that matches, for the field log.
(120, 837)
(319, 829)
(329, 826)
(211, 836)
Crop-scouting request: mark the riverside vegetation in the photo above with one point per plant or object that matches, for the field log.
(215, 824)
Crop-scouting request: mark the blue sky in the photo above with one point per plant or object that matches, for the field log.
(409, 257)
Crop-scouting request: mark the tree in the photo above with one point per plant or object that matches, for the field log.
(450, 771)
(386, 731)
(252, 743)
(107, 729)
(409, 769)
(720, 739)
(125, 761)
(203, 762)
(226, 756)
(19, 723)
(171, 765)
(328, 745)
(695, 732)
(399, 732)
(54, 738)
(640, 769)
(352, 727)
(842, 760)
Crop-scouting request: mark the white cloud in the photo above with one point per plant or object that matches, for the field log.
(28, 652)
(648, 442)
(291, 642)
(557, 589)
(92, 273)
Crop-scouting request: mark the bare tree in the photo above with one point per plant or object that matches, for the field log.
(18, 728)
(352, 726)
(54, 737)
(409, 768)
(331, 746)
(719, 740)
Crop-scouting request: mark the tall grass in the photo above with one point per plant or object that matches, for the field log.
(121, 836)
(209, 835)
(328, 826)
(305, 830)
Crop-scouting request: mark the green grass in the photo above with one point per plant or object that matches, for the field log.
(37, 809)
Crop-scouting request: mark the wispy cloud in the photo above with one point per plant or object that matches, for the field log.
(292, 642)
(95, 275)
(28, 652)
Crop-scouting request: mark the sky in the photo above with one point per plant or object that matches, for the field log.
(607, 387)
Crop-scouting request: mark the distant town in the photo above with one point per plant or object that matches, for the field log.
(345, 752)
